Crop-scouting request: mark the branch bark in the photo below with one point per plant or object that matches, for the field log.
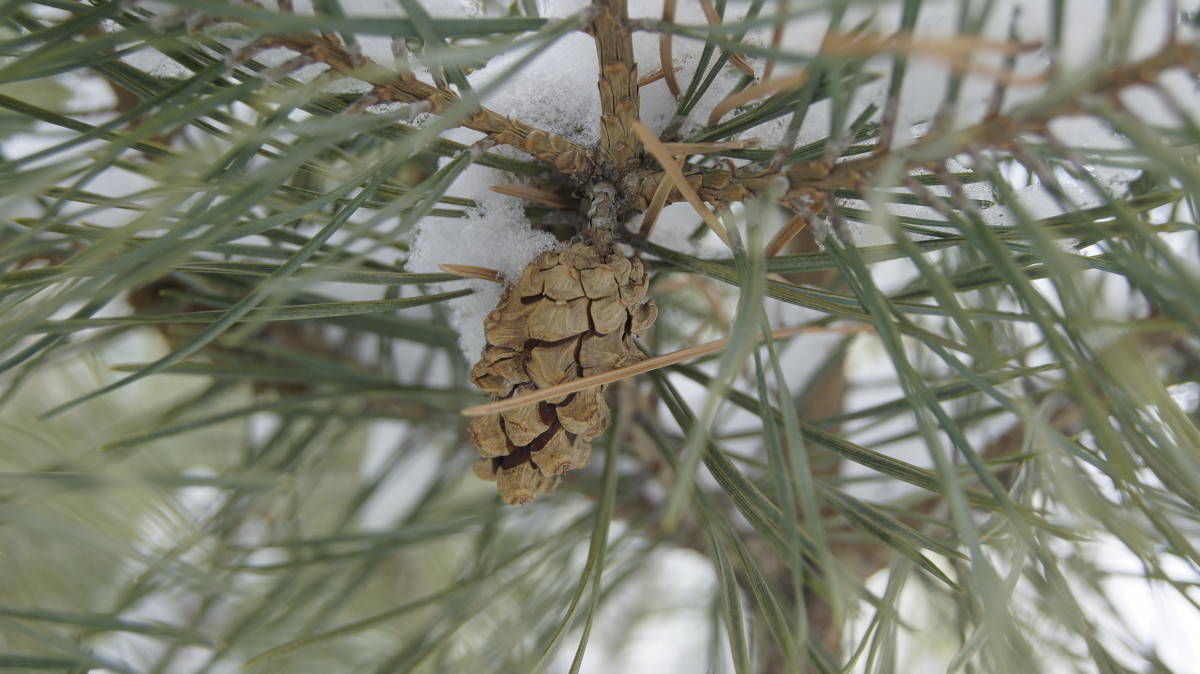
(391, 87)
(622, 150)
(619, 98)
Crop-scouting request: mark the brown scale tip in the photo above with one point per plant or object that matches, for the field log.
(524, 497)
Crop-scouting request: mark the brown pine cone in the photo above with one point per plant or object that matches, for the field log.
(572, 314)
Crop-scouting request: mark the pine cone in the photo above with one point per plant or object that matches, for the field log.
(572, 314)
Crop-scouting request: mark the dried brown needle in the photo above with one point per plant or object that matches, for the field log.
(640, 367)
(706, 148)
(664, 51)
(651, 78)
(755, 92)
(650, 215)
(660, 153)
(736, 60)
(542, 197)
(471, 271)
(789, 232)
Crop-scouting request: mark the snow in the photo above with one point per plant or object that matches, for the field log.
(540, 95)
(495, 234)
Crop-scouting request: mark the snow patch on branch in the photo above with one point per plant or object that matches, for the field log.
(494, 234)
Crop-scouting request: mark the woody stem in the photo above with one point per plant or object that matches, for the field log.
(563, 154)
(618, 83)
(603, 212)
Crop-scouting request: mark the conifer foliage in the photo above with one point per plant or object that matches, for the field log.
(881, 316)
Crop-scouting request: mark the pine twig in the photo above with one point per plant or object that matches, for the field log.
(812, 179)
(619, 88)
(391, 87)
(619, 96)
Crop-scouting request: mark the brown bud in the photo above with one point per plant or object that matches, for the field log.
(573, 313)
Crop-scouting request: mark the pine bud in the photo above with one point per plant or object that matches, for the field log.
(573, 313)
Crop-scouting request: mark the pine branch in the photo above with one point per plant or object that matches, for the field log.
(1001, 132)
(390, 87)
(619, 94)
(812, 180)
